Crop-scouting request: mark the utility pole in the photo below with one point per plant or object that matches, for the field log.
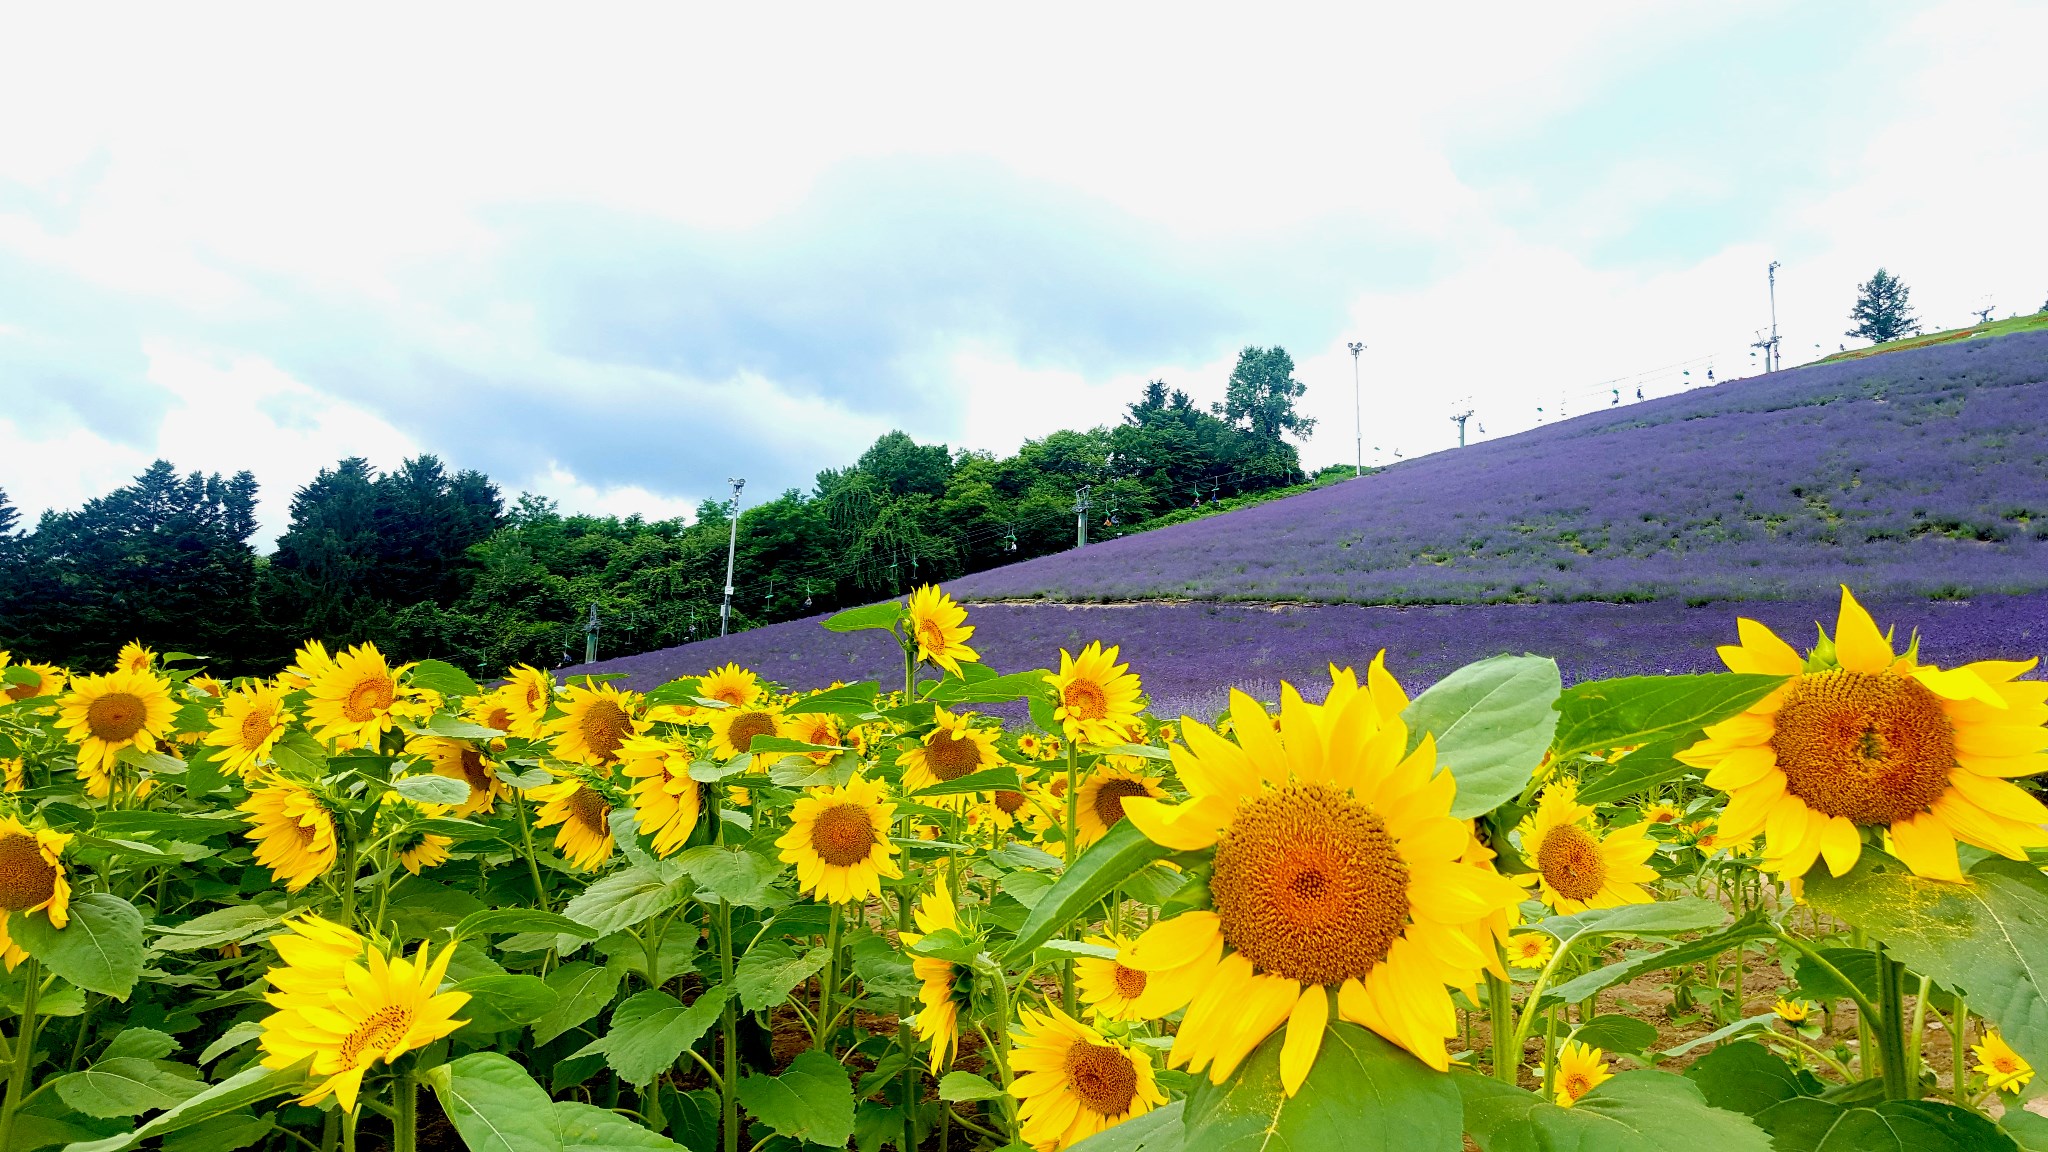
(732, 544)
(1081, 516)
(1984, 314)
(1357, 408)
(1459, 419)
(1771, 360)
(590, 635)
(1763, 343)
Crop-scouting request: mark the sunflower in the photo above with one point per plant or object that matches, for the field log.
(732, 685)
(1861, 738)
(1580, 1069)
(31, 680)
(493, 710)
(1529, 950)
(665, 797)
(1027, 746)
(838, 839)
(594, 723)
(386, 1008)
(104, 714)
(1336, 865)
(31, 880)
(1113, 990)
(293, 830)
(16, 772)
(2005, 1070)
(1098, 697)
(528, 691)
(309, 663)
(1074, 1082)
(1004, 810)
(460, 760)
(417, 849)
(814, 728)
(944, 987)
(940, 628)
(316, 954)
(585, 818)
(134, 658)
(250, 721)
(1663, 812)
(352, 697)
(1100, 805)
(1794, 1011)
(207, 686)
(733, 729)
(954, 748)
(1576, 867)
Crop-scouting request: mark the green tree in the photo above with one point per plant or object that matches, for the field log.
(1883, 309)
(165, 560)
(1262, 392)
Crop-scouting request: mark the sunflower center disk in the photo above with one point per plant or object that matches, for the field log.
(1109, 799)
(1085, 700)
(115, 717)
(1874, 748)
(500, 718)
(26, 879)
(1102, 1077)
(951, 756)
(1130, 983)
(369, 697)
(473, 769)
(256, 728)
(1308, 884)
(589, 809)
(932, 635)
(1570, 861)
(1009, 802)
(378, 1031)
(747, 725)
(843, 835)
(604, 728)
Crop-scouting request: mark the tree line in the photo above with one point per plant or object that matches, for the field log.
(426, 561)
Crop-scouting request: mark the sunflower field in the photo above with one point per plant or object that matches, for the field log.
(1796, 905)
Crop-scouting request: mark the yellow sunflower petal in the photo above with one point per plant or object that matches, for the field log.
(1859, 646)
(1927, 847)
(1304, 1037)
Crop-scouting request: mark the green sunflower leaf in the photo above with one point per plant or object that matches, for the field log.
(1641, 1111)
(1631, 710)
(883, 616)
(1363, 1095)
(494, 1105)
(1492, 721)
(100, 949)
(1102, 867)
(1986, 939)
(811, 1101)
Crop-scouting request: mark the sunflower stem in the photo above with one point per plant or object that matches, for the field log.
(540, 890)
(1891, 1027)
(405, 1110)
(24, 1051)
(1500, 1011)
(1913, 1034)
(1001, 1048)
(1073, 853)
(821, 1037)
(1958, 1037)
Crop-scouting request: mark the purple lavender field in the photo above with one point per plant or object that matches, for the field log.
(1922, 472)
(1191, 655)
(1622, 542)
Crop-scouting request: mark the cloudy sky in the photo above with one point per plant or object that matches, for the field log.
(615, 255)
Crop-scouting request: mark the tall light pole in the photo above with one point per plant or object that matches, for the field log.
(732, 544)
(1771, 361)
(1357, 409)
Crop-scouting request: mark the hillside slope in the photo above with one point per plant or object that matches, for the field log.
(1919, 473)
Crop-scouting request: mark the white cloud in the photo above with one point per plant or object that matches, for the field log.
(267, 170)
